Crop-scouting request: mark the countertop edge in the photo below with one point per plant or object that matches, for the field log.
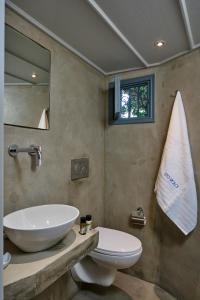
(29, 287)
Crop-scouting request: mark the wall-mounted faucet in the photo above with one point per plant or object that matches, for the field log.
(34, 151)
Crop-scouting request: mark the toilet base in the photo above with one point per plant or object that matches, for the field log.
(89, 271)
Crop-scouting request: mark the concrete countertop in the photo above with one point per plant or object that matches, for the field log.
(30, 273)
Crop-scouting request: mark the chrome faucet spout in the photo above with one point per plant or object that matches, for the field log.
(33, 150)
(37, 153)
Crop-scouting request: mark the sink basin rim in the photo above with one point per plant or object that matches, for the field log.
(53, 226)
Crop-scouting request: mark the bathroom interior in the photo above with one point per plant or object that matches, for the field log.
(100, 98)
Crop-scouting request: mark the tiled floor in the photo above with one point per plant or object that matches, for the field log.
(126, 287)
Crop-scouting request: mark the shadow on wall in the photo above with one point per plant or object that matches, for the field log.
(173, 235)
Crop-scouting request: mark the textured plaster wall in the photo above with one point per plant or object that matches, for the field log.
(132, 159)
(180, 259)
(62, 289)
(77, 130)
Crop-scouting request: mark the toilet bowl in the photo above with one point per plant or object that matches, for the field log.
(116, 250)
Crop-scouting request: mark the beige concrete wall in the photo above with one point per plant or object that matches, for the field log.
(77, 130)
(132, 158)
(180, 260)
(63, 289)
(132, 155)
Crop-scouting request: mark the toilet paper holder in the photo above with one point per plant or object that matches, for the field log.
(138, 217)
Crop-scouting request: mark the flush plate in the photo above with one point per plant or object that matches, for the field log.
(79, 168)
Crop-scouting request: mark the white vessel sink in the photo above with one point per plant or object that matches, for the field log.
(40, 227)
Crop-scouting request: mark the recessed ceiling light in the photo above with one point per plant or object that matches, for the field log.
(33, 75)
(160, 43)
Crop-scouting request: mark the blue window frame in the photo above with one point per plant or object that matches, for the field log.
(136, 101)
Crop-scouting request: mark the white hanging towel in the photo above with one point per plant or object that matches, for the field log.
(175, 185)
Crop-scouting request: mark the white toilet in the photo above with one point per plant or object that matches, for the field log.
(115, 250)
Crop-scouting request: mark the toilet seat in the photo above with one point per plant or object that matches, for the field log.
(120, 254)
(117, 243)
(115, 261)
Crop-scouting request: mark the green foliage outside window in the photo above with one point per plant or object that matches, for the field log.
(136, 101)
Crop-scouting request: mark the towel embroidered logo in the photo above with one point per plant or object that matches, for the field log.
(171, 180)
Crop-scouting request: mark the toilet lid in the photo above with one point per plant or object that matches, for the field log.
(114, 242)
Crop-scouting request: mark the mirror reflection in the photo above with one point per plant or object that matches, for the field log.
(27, 77)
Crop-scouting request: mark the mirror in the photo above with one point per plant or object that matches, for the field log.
(27, 77)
